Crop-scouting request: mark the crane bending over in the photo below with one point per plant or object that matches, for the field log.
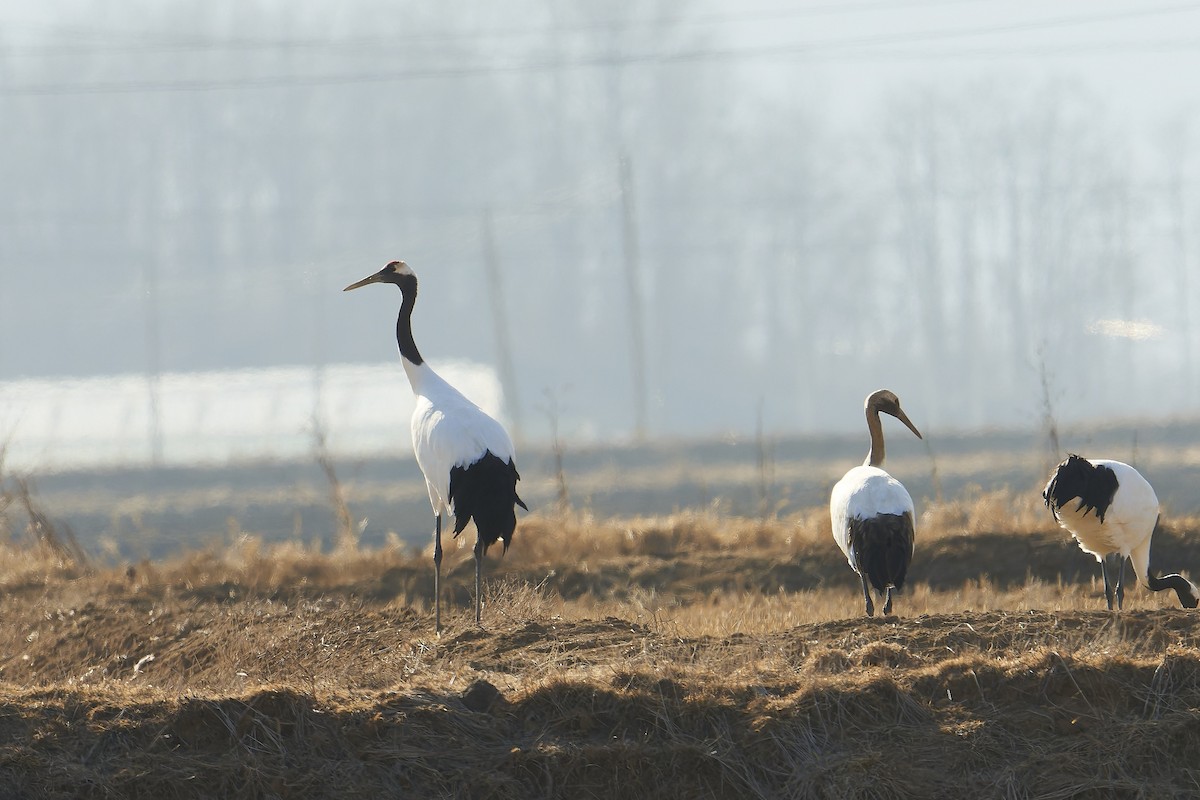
(467, 457)
(1115, 516)
(872, 513)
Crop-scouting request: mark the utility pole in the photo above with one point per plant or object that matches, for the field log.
(508, 378)
(318, 348)
(629, 241)
(153, 360)
(1177, 148)
(637, 335)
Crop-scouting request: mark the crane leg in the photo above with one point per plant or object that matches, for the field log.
(867, 596)
(478, 578)
(1121, 582)
(437, 575)
(1108, 589)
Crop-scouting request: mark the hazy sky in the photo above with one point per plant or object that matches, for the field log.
(784, 81)
(1144, 56)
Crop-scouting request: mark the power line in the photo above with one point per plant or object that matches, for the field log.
(172, 42)
(862, 52)
(802, 48)
(1156, 47)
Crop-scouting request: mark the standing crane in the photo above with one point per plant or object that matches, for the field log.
(467, 457)
(872, 513)
(1115, 517)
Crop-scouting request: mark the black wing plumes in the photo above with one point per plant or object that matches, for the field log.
(486, 491)
(883, 548)
(1095, 486)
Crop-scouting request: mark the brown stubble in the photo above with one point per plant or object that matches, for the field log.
(723, 657)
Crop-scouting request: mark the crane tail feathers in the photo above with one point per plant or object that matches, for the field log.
(883, 549)
(486, 491)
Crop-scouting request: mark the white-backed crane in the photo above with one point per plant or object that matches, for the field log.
(872, 513)
(466, 456)
(1114, 519)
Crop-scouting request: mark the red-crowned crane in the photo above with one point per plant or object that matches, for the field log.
(466, 456)
(872, 513)
(1115, 517)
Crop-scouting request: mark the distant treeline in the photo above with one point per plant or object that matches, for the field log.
(653, 241)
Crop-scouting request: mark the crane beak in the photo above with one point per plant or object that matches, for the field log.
(900, 415)
(376, 278)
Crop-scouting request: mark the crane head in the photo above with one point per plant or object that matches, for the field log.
(396, 272)
(887, 402)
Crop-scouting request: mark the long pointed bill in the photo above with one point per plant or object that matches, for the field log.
(376, 278)
(900, 415)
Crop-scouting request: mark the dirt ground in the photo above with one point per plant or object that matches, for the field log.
(663, 668)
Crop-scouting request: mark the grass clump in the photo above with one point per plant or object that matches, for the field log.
(693, 654)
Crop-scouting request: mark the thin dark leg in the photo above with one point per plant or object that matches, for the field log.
(887, 606)
(478, 578)
(867, 596)
(1121, 582)
(437, 576)
(1108, 591)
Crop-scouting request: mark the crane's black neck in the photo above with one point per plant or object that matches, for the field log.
(404, 337)
(1183, 589)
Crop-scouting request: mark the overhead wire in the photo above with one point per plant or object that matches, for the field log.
(150, 41)
(856, 47)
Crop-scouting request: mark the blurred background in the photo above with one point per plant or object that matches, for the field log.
(635, 224)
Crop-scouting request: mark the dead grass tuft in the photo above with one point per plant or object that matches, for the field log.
(720, 657)
(979, 511)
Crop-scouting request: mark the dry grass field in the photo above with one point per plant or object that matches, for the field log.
(696, 655)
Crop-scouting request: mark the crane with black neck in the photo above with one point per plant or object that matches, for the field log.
(466, 456)
(1114, 520)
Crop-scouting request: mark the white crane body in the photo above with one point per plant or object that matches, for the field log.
(466, 456)
(865, 492)
(1112, 511)
(448, 431)
(872, 514)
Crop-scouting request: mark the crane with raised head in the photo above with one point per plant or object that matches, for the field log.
(872, 513)
(466, 456)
